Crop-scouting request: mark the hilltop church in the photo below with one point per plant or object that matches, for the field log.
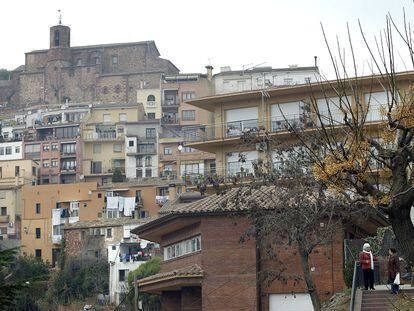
(106, 73)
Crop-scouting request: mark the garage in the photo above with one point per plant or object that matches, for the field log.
(290, 302)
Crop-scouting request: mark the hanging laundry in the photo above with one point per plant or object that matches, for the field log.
(129, 206)
(56, 217)
(112, 202)
(121, 203)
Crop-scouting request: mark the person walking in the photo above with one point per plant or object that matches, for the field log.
(393, 266)
(367, 263)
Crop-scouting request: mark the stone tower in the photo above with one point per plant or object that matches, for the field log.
(58, 56)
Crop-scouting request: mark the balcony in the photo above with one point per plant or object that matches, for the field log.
(56, 239)
(4, 218)
(161, 199)
(169, 175)
(96, 136)
(170, 120)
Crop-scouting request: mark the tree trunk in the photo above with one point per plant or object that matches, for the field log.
(304, 257)
(404, 231)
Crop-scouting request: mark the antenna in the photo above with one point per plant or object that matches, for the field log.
(60, 18)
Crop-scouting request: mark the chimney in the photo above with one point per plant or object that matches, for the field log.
(172, 192)
(316, 61)
(209, 72)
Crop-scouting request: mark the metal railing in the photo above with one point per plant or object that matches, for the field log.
(354, 288)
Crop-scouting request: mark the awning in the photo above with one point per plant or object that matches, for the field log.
(172, 280)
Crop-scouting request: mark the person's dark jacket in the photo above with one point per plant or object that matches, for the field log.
(393, 265)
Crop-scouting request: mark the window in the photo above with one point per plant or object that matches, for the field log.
(79, 62)
(96, 167)
(188, 150)
(9, 150)
(46, 147)
(67, 132)
(117, 148)
(17, 171)
(17, 149)
(151, 98)
(109, 232)
(106, 117)
(151, 116)
(114, 59)
(68, 148)
(57, 40)
(1, 150)
(38, 253)
(151, 133)
(138, 197)
(188, 95)
(38, 233)
(182, 248)
(37, 208)
(1, 174)
(68, 164)
(57, 230)
(112, 213)
(3, 211)
(3, 230)
(146, 148)
(122, 275)
(167, 150)
(2, 194)
(307, 80)
(97, 148)
(148, 172)
(131, 143)
(55, 147)
(288, 81)
(97, 60)
(188, 115)
(55, 163)
(46, 163)
(123, 117)
(143, 214)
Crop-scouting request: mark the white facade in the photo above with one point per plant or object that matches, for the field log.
(11, 151)
(146, 167)
(259, 78)
(120, 264)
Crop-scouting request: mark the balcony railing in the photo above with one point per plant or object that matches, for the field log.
(4, 218)
(161, 199)
(103, 136)
(171, 102)
(277, 124)
(170, 120)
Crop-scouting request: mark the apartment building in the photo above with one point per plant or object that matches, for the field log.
(150, 98)
(256, 78)
(141, 149)
(14, 174)
(235, 114)
(55, 142)
(178, 122)
(47, 208)
(104, 139)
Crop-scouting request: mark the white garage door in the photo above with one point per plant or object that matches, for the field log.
(290, 302)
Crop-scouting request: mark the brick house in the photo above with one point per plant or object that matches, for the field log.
(206, 267)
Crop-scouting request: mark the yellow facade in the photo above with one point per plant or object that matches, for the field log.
(151, 100)
(38, 203)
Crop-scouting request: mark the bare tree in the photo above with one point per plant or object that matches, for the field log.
(352, 145)
(287, 207)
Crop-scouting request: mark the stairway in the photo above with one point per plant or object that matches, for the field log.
(380, 299)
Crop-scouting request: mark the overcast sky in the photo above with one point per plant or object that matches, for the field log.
(193, 33)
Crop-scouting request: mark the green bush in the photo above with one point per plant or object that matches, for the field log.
(151, 267)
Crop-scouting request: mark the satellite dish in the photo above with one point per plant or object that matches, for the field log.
(180, 147)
